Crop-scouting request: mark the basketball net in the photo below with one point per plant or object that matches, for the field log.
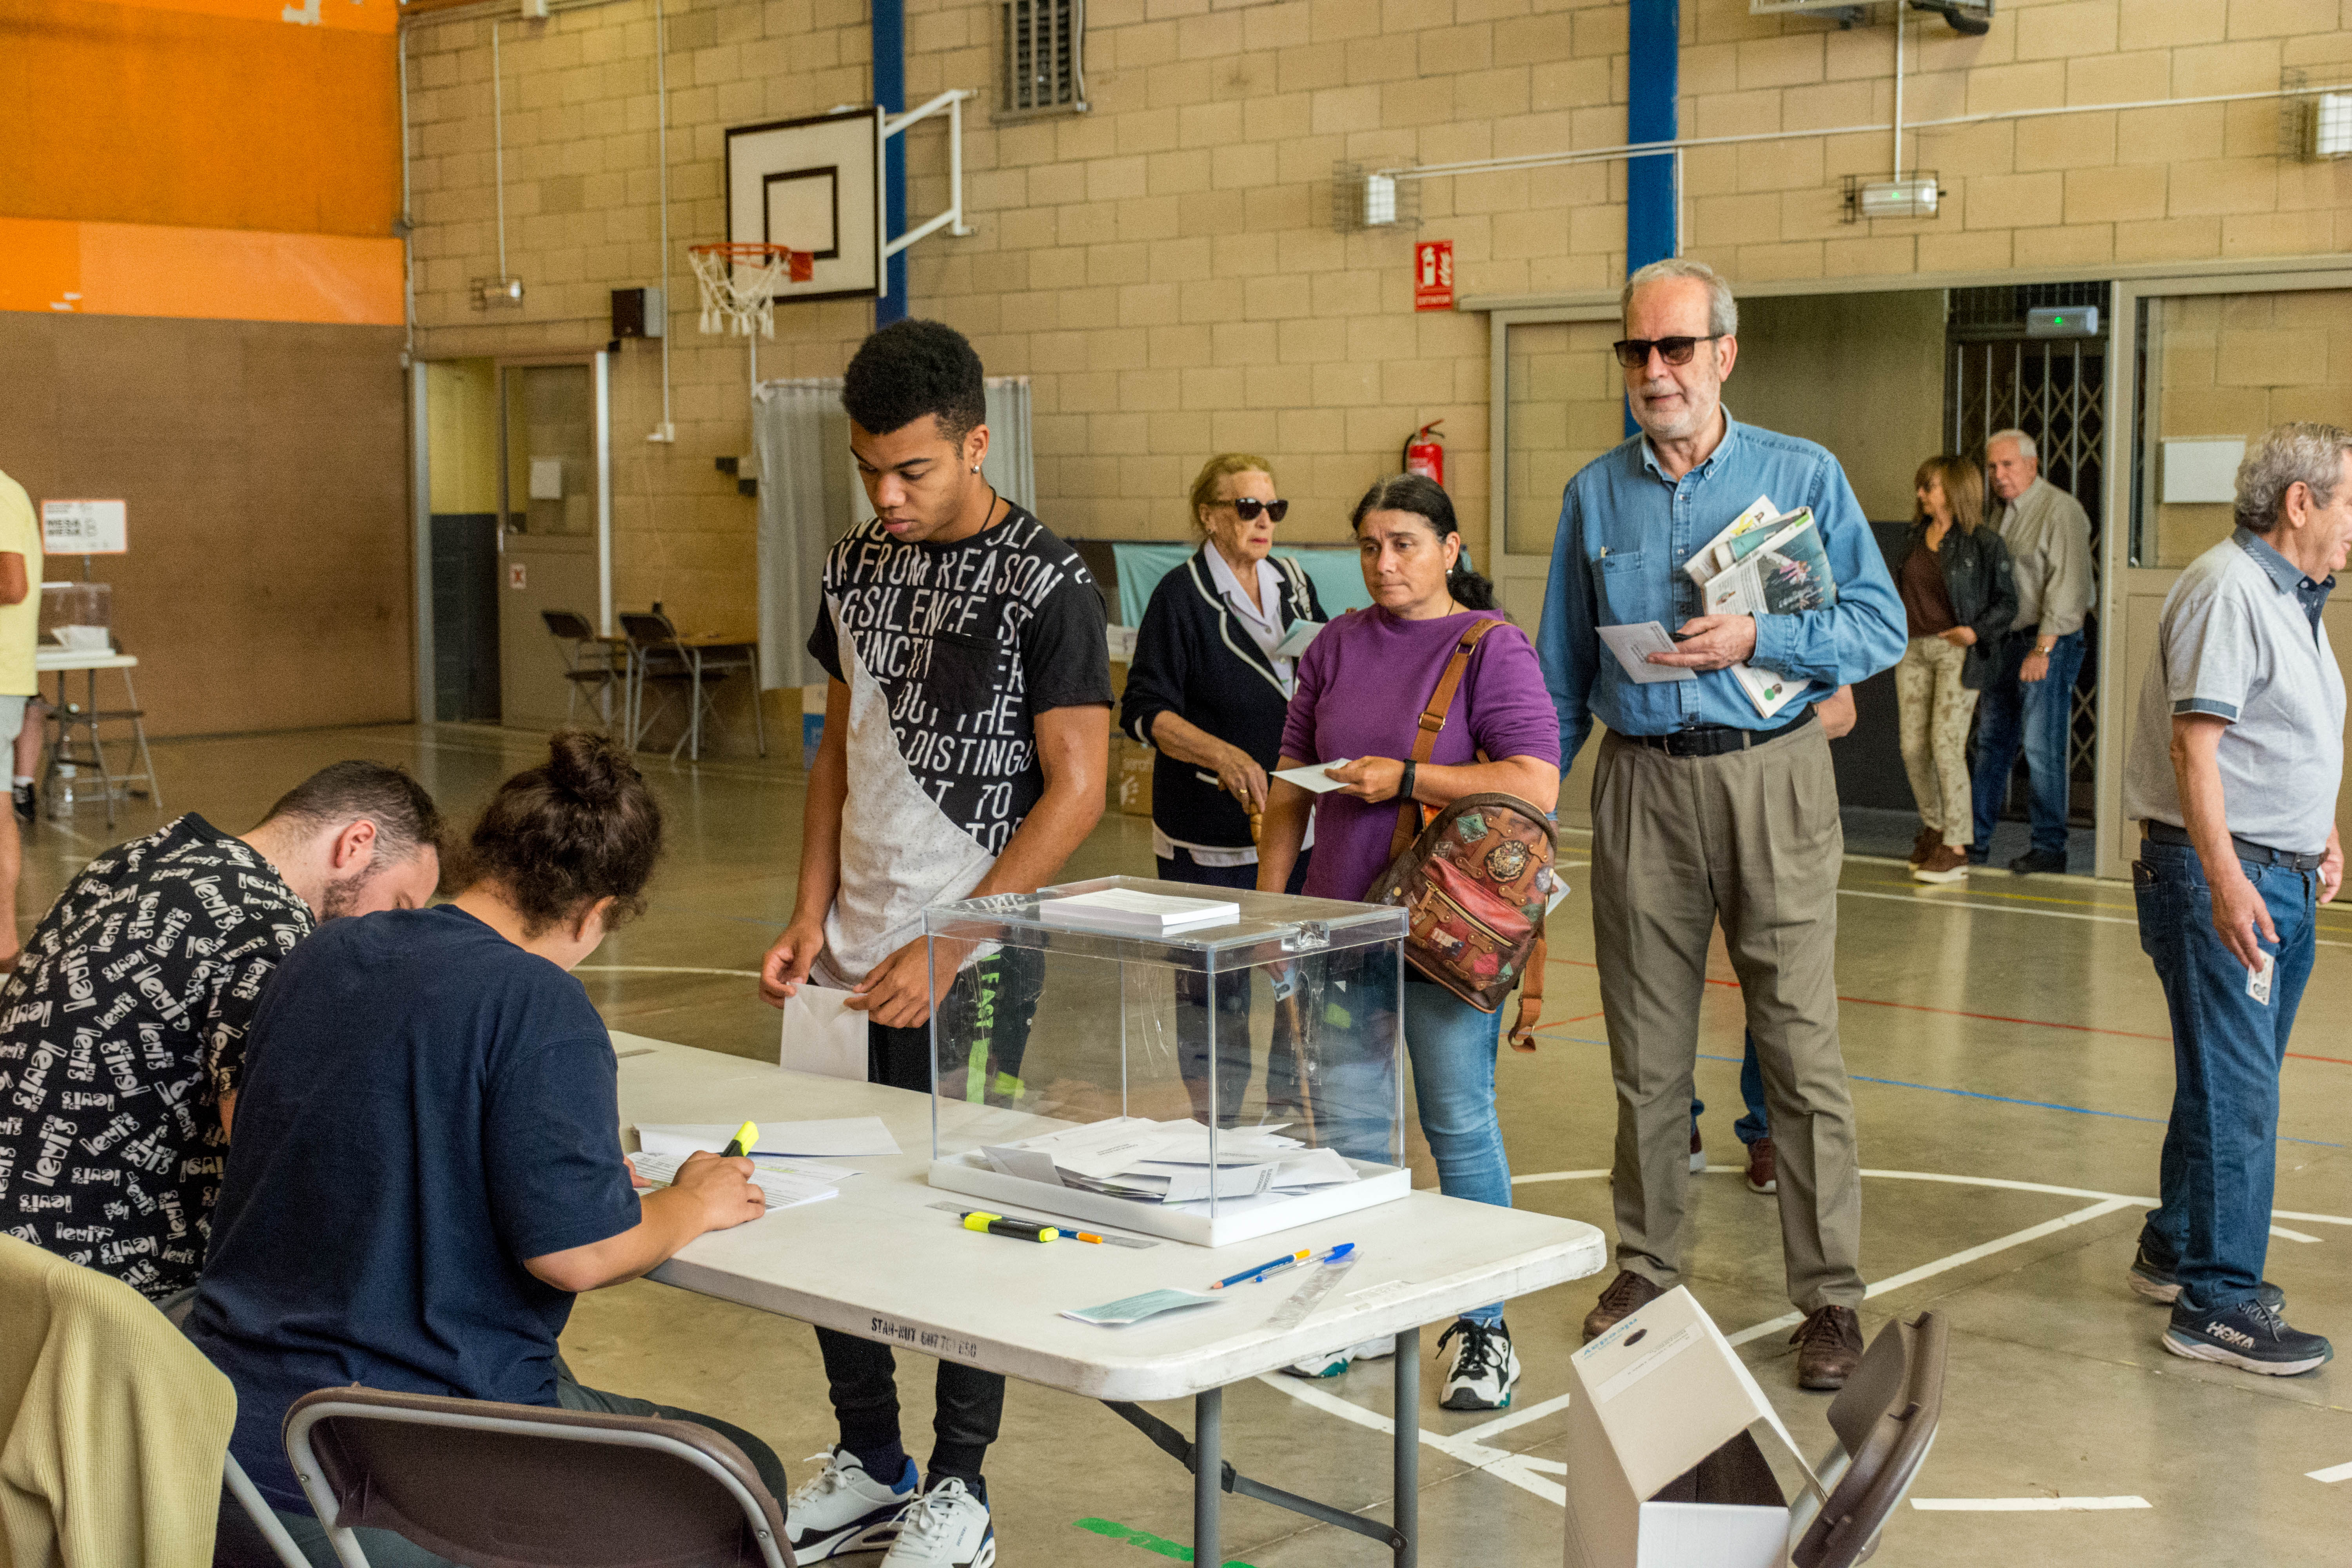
(738, 284)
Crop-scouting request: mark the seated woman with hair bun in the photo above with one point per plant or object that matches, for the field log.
(428, 1165)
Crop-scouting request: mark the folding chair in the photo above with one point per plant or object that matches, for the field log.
(1885, 1420)
(587, 661)
(518, 1486)
(240, 1487)
(656, 653)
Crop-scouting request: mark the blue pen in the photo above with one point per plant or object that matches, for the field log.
(1336, 1255)
(1248, 1275)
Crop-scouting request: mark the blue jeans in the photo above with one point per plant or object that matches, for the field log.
(2038, 715)
(1750, 1128)
(1453, 1046)
(2220, 1151)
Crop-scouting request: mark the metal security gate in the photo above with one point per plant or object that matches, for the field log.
(2053, 389)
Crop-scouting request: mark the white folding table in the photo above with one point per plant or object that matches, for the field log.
(69, 717)
(885, 1262)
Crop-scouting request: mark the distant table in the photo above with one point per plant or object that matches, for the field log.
(881, 1262)
(61, 662)
(692, 649)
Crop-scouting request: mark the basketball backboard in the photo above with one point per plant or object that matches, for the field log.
(814, 185)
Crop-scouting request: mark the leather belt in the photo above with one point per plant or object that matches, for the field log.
(2247, 849)
(1715, 740)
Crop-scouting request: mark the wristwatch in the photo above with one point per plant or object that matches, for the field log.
(1404, 784)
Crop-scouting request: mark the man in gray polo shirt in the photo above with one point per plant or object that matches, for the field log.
(2234, 763)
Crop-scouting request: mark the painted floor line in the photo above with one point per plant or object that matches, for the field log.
(660, 969)
(2026, 1504)
(1501, 1463)
(1514, 1419)
(2331, 1475)
(1929, 901)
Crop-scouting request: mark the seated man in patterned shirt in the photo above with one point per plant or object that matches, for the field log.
(123, 1029)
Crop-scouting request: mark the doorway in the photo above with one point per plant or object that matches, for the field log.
(461, 426)
(553, 550)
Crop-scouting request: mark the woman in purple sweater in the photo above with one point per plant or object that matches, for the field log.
(1362, 688)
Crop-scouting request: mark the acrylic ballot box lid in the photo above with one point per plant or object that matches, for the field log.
(1208, 1083)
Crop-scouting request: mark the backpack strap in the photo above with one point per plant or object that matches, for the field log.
(1531, 990)
(1432, 720)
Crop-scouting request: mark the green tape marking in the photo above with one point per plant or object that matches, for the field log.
(1143, 1538)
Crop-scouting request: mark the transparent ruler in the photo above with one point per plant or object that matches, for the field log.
(1309, 1294)
(1062, 1223)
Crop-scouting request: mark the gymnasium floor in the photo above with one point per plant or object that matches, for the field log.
(2012, 1072)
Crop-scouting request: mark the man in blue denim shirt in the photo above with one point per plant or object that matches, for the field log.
(2235, 759)
(1704, 810)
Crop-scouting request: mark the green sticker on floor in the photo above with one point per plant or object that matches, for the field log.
(1145, 1538)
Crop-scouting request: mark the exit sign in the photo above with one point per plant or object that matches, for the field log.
(1432, 275)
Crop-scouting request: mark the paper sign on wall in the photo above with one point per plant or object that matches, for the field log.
(517, 578)
(1432, 275)
(85, 528)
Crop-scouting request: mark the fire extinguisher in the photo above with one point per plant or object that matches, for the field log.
(1425, 453)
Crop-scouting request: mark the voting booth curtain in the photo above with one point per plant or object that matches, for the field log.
(810, 496)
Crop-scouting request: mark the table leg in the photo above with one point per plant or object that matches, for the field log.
(1208, 1474)
(1408, 1447)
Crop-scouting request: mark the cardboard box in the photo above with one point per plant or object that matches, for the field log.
(1663, 1470)
(1131, 777)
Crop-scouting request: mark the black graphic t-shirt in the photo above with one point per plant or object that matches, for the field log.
(970, 642)
(121, 1030)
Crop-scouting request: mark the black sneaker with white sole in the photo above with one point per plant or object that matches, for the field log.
(2250, 1336)
(1485, 1366)
(2156, 1283)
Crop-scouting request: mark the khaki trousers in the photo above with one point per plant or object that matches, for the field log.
(1749, 839)
(1936, 710)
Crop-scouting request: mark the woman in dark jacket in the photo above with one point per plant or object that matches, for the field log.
(1960, 596)
(1207, 689)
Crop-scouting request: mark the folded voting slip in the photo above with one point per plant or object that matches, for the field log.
(824, 1035)
(1296, 640)
(1029, 1164)
(783, 1189)
(1135, 1308)
(845, 1138)
(1310, 778)
(1187, 1143)
(1313, 1168)
(1767, 690)
(1788, 574)
(1634, 642)
(1130, 909)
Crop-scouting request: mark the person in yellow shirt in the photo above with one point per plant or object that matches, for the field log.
(20, 629)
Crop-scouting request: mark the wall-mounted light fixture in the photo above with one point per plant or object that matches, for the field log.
(1916, 195)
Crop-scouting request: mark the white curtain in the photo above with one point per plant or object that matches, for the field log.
(810, 496)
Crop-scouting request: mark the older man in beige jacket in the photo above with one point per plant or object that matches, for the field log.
(2030, 700)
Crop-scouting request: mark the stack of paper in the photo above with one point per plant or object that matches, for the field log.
(1767, 562)
(1144, 1161)
(783, 1189)
(1130, 909)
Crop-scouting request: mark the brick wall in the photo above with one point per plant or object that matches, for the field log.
(1165, 269)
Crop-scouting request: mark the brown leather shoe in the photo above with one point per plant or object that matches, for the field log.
(1948, 863)
(1763, 1167)
(1829, 1347)
(1928, 841)
(1627, 1294)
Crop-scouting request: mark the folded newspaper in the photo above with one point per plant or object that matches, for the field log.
(1143, 1160)
(1767, 562)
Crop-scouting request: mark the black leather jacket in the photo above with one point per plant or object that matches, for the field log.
(1983, 590)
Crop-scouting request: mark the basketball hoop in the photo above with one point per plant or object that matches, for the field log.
(738, 284)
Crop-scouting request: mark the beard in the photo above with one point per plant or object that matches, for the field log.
(342, 898)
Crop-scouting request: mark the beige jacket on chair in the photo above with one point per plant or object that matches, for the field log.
(116, 1425)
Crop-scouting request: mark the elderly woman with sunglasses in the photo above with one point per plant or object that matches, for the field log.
(1208, 687)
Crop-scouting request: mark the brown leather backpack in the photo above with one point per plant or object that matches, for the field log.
(1475, 877)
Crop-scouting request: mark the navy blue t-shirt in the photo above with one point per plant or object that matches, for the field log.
(425, 1106)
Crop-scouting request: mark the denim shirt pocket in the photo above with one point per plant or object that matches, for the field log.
(1629, 594)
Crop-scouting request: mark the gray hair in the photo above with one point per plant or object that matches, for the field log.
(2026, 446)
(1722, 310)
(2284, 455)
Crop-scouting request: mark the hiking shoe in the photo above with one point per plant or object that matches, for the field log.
(1948, 863)
(1485, 1366)
(2034, 860)
(1698, 1152)
(843, 1508)
(1925, 844)
(947, 1527)
(2250, 1336)
(2156, 1283)
(1829, 1347)
(1763, 1167)
(1338, 1361)
(1626, 1294)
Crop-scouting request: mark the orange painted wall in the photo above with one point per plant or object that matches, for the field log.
(223, 117)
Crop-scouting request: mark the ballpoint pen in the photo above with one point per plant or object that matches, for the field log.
(1301, 1256)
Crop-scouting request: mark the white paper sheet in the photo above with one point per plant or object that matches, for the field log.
(783, 1189)
(848, 1138)
(1634, 644)
(1310, 777)
(1313, 1168)
(1296, 640)
(1029, 1164)
(824, 1035)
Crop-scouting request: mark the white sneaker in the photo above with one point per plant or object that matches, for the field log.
(843, 1508)
(947, 1527)
(1338, 1361)
(1485, 1366)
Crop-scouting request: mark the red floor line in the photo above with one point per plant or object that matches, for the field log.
(2300, 1056)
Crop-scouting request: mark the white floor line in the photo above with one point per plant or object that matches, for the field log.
(660, 969)
(1500, 1463)
(2314, 1219)
(2332, 1474)
(2280, 1230)
(1515, 1418)
(1924, 899)
(2026, 1504)
(1941, 1264)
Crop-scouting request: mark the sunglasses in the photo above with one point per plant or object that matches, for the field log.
(1634, 353)
(1248, 507)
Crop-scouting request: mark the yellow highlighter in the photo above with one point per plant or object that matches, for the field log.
(998, 1224)
(746, 1138)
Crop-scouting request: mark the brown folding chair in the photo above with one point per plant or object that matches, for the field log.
(589, 661)
(518, 1486)
(1885, 1420)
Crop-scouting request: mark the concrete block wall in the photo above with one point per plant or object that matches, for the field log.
(1165, 269)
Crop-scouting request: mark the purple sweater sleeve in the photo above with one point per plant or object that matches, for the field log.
(1312, 672)
(1511, 713)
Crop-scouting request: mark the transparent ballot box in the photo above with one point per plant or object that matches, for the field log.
(1208, 1081)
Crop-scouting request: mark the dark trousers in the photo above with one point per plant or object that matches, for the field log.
(1751, 1127)
(2037, 717)
(1233, 1014)
(983, 1035)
